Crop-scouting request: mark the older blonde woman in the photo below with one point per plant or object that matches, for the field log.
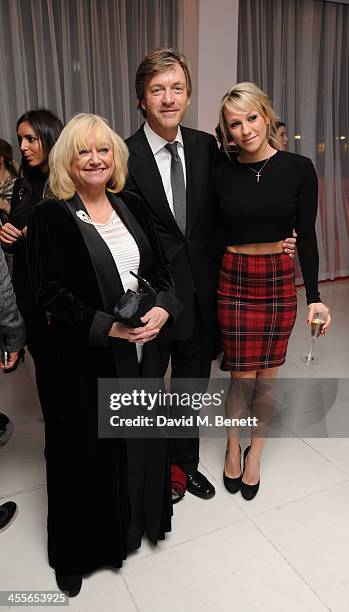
(262, 195)
(103, 494)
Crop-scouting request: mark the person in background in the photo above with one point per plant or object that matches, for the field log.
(82, 247)
(37, 131)
(12, 338)
(261, 195)
(231, 148)
(8, 176)
(281, 134)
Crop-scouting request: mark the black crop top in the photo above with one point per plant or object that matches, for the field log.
(285, 197)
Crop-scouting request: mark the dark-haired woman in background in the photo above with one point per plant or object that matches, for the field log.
(37, 131)
(8, 176)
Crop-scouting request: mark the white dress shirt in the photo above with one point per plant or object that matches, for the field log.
(163, 159)
(125, 252)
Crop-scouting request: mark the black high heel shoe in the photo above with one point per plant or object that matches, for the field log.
(69, 583)
(232, 484)
(248, 492)
(21, 357)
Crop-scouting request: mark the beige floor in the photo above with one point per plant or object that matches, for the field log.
(286, 551)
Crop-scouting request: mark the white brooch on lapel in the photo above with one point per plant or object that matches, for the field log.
(83, 216)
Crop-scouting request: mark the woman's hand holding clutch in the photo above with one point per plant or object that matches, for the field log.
(132, 334)
(153, 321)
(156, 317)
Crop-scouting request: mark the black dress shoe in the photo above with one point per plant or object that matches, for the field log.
(197, 484)
(69, 583)
(232, 485)
(248, 492)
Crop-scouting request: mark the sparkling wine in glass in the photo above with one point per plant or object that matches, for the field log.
(317, 324)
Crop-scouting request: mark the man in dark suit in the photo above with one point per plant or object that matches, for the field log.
(163, 86)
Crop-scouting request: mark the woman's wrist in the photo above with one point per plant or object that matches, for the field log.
(113, 330)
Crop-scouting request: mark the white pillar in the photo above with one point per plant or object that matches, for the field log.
(189, 45)
(217, 65)
(209, 39)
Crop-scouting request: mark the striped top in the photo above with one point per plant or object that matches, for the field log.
(125, 252)
(123, 248)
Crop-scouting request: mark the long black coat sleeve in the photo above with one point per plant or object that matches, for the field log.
(46, 256)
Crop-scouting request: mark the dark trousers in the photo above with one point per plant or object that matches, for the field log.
(190, 358)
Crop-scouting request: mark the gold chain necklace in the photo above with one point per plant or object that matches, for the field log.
(259, 172)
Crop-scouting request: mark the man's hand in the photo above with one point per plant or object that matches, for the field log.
(289, 246)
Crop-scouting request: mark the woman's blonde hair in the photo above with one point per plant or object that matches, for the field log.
(245, 97)
(73, 139)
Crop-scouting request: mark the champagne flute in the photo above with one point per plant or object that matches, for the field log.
(317, 324)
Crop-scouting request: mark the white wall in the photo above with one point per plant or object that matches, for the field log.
(189, 45)
(217, 58)
(209, 39)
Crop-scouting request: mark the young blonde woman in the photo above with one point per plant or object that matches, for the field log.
(263, 194)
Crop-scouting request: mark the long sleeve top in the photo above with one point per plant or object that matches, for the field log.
(285, 197)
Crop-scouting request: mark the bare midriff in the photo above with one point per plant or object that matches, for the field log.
(262, 248)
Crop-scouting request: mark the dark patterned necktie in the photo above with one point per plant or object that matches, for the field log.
(178, 186)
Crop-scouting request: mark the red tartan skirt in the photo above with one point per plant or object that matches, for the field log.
(257, 306)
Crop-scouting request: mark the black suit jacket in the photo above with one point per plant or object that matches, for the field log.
(193, 266)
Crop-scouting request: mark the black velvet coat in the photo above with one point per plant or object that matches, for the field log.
(103, 494)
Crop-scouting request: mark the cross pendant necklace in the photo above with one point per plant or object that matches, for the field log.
(259, 172)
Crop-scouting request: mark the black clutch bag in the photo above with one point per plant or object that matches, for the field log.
(134, 304)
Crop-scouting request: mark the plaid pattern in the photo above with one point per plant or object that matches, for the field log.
(257, 305)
